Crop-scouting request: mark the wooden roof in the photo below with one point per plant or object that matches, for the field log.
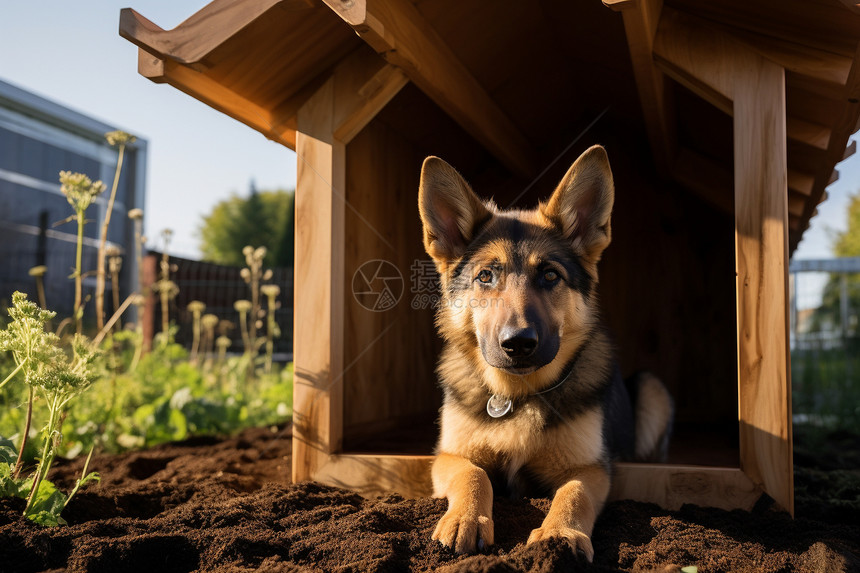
(523, 78)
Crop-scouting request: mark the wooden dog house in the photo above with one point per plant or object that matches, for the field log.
(723, 122)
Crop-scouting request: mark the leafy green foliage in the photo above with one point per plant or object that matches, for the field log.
(9, 486)
(58, 378)
(47, 504)
(131, 401)
(847, 243)
(264, 218)
(166, 398)
(826, 385)
(33, 350)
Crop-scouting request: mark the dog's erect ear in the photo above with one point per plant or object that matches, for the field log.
(449, 209)
(581, 205)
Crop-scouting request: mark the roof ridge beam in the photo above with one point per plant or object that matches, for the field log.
(640, 26)
(398, 32)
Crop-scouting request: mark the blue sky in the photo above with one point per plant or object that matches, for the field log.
(71, 52)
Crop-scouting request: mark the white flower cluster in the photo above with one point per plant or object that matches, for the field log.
(80, 190)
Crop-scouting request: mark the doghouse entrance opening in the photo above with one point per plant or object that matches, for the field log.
(667, 282)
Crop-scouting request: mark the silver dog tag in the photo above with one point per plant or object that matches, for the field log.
(498, 406)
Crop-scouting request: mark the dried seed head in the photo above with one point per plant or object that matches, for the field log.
(223, 342)
(196, 307)
(118, 137)
(166, 286)
(80, 190)
(38, 271)
(135, 214)
(209, 321)
(243, 306)
(270, 291)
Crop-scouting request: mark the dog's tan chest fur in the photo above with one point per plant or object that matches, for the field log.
(520, 440)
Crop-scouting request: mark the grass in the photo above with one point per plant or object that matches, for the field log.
(826, 386)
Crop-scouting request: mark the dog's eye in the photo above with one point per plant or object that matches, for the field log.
(485, 276)
(550, 276)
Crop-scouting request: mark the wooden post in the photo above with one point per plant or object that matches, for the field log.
(751, 88)
(318, 311)
(761, 246)
(346, 101)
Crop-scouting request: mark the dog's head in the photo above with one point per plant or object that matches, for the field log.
(518, 285)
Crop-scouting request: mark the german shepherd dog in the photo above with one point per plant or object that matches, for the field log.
(534, 402)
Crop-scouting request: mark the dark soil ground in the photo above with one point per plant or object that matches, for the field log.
(226, 505)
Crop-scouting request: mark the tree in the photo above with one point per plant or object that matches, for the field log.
(846, 244)
(262, 219)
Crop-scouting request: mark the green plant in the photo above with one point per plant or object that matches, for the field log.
(271, 292)
(243, 307)
(119, 139)
(166, 288)
(114, 255)
(826, 385)
(38, 273)
(58, 378)
(80, 192)
(136, 215)
(196, 308)
(49, 502)
(32, 349)
(253, 275)
(209, 322)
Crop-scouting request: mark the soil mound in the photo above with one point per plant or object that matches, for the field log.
(226, 505)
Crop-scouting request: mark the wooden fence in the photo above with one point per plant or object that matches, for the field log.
(218, 287)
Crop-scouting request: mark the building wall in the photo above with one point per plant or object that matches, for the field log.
(38, 139)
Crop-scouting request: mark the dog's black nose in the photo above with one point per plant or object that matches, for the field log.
(518, 343)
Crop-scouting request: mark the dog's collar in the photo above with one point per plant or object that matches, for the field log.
(500, 406)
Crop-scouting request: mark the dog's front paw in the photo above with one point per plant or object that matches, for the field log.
(464, 531)
(577, 539)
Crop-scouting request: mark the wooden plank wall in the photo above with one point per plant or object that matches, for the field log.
(667, 279)
(390, 355)
(667, 290)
